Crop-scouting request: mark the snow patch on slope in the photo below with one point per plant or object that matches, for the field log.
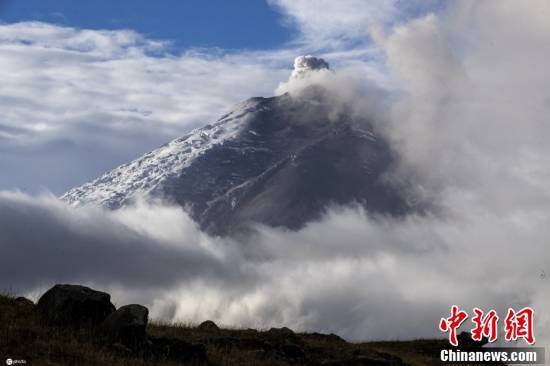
(143, 175)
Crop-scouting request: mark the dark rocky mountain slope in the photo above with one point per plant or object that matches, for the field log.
(279, 161)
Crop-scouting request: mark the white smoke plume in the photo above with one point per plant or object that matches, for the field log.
(305, 64)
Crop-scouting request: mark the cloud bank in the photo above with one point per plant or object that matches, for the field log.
(78, 102)
(354, 274)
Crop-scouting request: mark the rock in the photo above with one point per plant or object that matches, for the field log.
(23, 301)
(208, 326)
(281, 332)
(177, 350)
(75, 306)
(127, 325)
(465, 340)
(281, 336)
(329, 338)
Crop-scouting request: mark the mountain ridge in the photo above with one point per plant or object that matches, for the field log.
(279, 161)
(182, 150)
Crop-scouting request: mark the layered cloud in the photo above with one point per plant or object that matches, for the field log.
(105, 97)
(78, 102)
(44, 241)
(328, 23)
(360, 276)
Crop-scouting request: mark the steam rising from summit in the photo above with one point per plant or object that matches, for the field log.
(262, 163)
(305, 64)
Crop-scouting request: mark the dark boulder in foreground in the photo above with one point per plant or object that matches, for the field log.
(208, 326)
(125, 334)
(282, 335)
(465, 340)
(23, 301)
(127, 325)
(283, 332)
(75, 306)
(320, 337)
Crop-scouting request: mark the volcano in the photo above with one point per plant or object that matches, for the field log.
(279, 161)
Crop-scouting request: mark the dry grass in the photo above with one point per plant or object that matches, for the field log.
(23, 335)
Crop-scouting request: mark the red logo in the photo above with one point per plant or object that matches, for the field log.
(517, 325)
(520, 325)
(452, 323)
(485, 325)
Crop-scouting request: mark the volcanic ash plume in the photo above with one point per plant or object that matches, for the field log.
(304, 64)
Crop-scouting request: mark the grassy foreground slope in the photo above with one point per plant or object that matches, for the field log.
(24, 336)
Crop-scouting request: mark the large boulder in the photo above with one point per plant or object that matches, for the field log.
(75, 306)
(325, 338)
(127, 325)
(283, 332)
(208, 326)
(281, 336)
(23, 301)
(465, 340)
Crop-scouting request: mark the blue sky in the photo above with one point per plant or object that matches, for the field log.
(235, 24)
(87, 86)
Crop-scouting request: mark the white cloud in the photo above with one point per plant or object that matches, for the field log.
(325, 22)
(91, 100)
(473, 112)
(78, 102)
(360, 276)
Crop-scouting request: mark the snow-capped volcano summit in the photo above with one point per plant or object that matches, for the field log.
(280, 161)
